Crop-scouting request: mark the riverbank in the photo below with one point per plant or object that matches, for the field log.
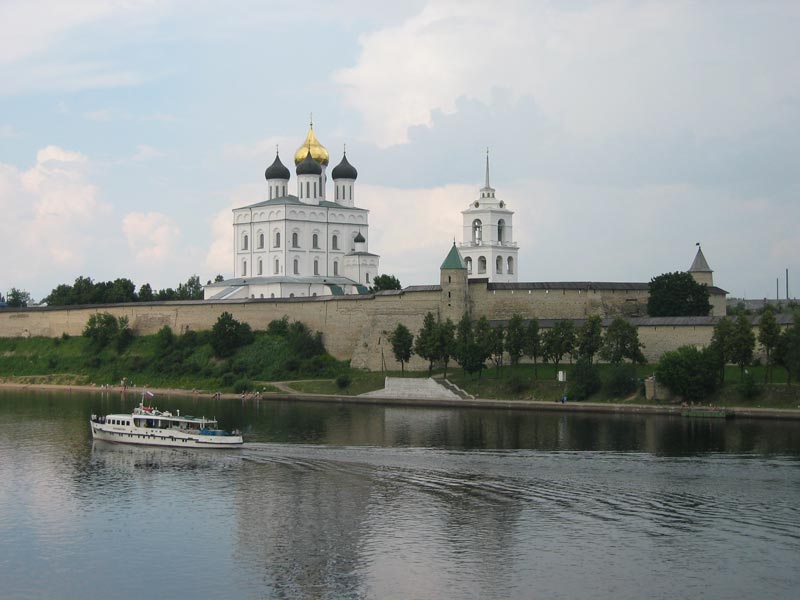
(534, 405)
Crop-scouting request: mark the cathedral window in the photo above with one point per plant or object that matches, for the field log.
(468, 261)
(316, 267)
(510, 265)
(335, 242)
(477, 231)
(335, 267)
(351, 192)
(244, 242)
(482, 264)
(501, 224)
(367, 278)
(499, 264)
(260, 267)
(277, 243)
(315, 241)
(295, 240)
(337, 191)
(244, 268)
(260, 240)
(276, 268)
(308, 189)
(315, 189)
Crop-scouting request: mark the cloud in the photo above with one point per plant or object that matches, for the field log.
(146, 152)
(593, 69)
(152, 237)
(52, 216)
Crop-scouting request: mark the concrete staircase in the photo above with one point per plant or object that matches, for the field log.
(413, 388)
(456, 390)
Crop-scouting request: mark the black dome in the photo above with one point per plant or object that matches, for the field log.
(308, 166)
(277, 170)
(344, 170)
(359, 239)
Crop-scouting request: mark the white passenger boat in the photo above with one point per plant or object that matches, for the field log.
(149, 426)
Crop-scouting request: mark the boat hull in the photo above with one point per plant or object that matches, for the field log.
(171, 438)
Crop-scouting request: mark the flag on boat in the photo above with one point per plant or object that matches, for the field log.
(149, 394)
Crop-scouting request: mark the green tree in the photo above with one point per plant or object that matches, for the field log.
(165, 341)
(18, 298)
(496, 346)
(721, 346)
(484, 338)
(621, 342)
(468, 350)
(743, 343)
(228, 334)
(118, 291)
(445, 341)
(402, 341)
(688, 372)
(533, 344)
(769, 333)
(218, 279)
(101, 329)
(425, 342)
(386, 282)
(787, 352)
(585, 379)
(515, 338)
(590, 337)
(191, 290)
(558, 341)
(677, 295)
(146, 293)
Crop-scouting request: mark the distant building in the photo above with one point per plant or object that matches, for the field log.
(303, 244)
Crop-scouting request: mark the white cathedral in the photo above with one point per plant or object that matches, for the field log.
(291, 246)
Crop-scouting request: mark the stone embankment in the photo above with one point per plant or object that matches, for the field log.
(376, 398)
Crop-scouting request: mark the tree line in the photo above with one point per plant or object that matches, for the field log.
(87, 291)
(473, 345)
(695, 374)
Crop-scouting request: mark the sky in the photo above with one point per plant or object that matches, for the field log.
(620, 132)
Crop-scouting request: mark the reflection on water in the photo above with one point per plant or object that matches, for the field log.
(338, 501)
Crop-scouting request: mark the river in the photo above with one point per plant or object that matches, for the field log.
(360, 501)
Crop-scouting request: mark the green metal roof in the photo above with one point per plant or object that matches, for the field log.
(453, 260)
(335, 290)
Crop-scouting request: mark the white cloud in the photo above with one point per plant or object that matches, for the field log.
(50, 213)
(146, 152)
(600, 68)
(152, 237)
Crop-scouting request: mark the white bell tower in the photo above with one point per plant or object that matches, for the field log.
(488, 247)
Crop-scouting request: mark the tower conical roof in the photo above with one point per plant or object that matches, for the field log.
(699, 264)
(453, 260)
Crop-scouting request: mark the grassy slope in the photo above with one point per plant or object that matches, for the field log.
(191, 365)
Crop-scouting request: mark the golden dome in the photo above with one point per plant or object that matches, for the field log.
(318, 151)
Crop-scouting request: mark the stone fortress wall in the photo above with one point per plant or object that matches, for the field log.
(355, 328)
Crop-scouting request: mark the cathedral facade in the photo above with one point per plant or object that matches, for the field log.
(304, 244)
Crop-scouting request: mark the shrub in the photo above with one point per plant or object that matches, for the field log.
(65, 336)
(242, 385)
(688, 372)
(585, 380)
(228, 335)
(227, 379)
(621, 380)
(52, 363)
(279, 327)
(343, 381)
(748, 387)
(517, 384)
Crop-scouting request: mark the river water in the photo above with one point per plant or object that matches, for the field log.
(350, 501)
